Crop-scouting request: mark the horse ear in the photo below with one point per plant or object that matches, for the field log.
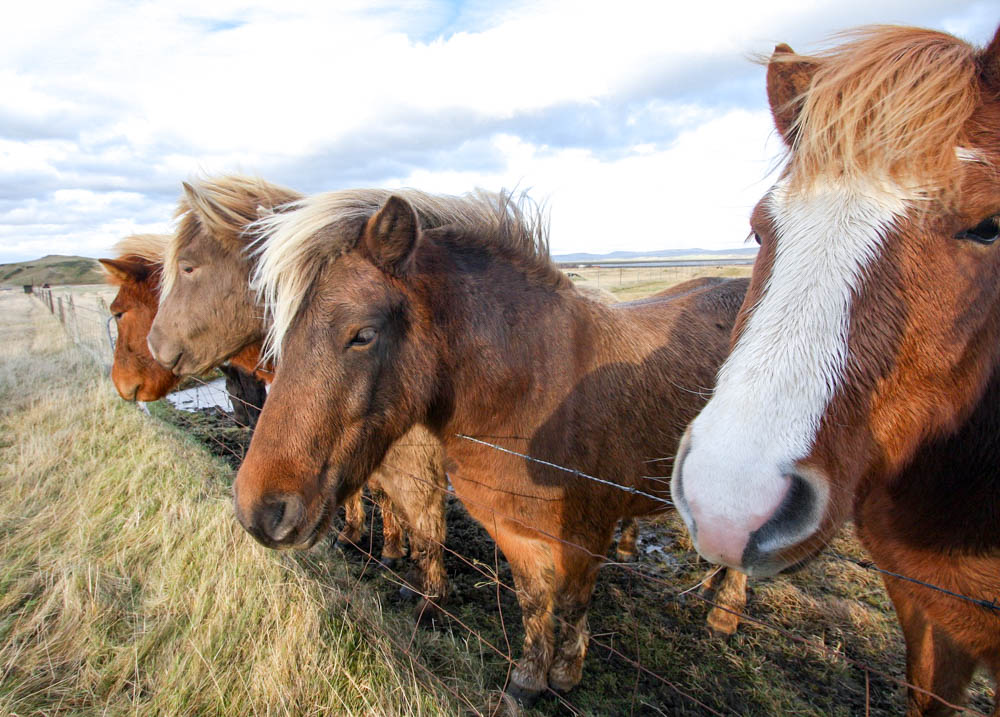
(119, 270)
(391, 235)
(221, 221)
(787, 82)
(990, 63)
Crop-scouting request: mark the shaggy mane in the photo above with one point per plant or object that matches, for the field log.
(222, 206)
(891, 102)
(295, 245)
(145, 248)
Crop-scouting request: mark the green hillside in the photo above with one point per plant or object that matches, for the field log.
(53, 269)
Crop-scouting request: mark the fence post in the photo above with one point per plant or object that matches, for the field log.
(71, 315)
(62, 316)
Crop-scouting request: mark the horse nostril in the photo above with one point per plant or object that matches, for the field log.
(277, 517)
(795, 516)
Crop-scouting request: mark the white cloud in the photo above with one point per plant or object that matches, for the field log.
(642, 121)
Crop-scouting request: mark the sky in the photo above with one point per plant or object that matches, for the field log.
(642, 125)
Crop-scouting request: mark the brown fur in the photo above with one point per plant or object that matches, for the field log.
(911, 439)
(136, 273)
(476, 334)
(210, 315)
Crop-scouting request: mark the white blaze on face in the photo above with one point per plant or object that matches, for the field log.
(776, 385)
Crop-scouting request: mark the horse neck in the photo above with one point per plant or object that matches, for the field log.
(515, 345)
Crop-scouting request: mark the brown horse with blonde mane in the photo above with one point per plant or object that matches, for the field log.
(471, 330)
(865, 370)
(137, 376)
(208, 314)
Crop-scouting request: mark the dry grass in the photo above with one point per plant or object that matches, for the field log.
(125, 584)
(634, 282)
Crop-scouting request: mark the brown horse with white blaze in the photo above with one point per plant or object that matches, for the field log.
(471, 330)
(865, 370)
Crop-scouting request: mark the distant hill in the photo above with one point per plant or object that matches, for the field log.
(53, 269)
(656, 254)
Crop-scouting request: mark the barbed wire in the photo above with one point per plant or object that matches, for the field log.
(991, 605)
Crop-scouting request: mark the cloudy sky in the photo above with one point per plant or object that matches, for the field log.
(643, 124)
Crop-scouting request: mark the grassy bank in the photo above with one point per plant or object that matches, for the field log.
(125, 584)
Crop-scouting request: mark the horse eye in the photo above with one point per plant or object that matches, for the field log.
(985, 232)
(187, 268)
(364, 337)
(756, 238)
(118, 315)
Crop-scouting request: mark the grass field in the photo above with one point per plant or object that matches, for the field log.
(127, 587)
(634, 282)
(54, 270)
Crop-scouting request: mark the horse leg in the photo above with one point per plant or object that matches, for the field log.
(574, 634)
(625, 552)
(427, 548)
(413, 476)
(392, 528)
(933, 661)
(354, 521)
(534, 578)
(730, 598)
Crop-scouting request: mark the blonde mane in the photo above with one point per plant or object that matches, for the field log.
(295, 245)
(891, 102)
(147, 247)
(222, 206)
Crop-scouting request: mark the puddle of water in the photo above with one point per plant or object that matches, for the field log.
(202, 396)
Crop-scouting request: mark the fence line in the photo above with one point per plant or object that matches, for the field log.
(101, 349)
(94, 334)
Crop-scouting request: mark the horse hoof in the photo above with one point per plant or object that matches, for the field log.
(723, 625)
(524, 697)
(562, 681)
(626, 557)
(389, 563)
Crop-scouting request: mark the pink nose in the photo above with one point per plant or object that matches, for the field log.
(720, 542)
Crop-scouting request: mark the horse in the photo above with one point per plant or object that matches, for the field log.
(136, 273)
(470, 330)
(864, 376)
(137, 376)
(207, 314)
(134, 372)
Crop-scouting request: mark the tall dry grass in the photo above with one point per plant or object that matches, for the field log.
(127, 587)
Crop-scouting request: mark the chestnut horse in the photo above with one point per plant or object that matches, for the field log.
(208, 314)
(471, 330)
(865, 370)
(136, 273)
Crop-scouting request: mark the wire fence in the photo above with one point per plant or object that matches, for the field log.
(88, 324)
(213, 420)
